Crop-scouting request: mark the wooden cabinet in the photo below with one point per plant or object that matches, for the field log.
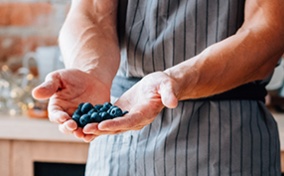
(24, 141)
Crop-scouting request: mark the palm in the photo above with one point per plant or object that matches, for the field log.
(70, 87)
(144, 101)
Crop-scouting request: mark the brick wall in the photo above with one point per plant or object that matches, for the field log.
(27, 24)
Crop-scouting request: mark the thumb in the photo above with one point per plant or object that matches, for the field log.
(46, 89)
(168, 96)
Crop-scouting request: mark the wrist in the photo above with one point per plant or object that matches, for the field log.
(104, 74)
(184, 80)
(175, 81)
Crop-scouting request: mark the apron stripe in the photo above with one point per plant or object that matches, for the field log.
(241, 138)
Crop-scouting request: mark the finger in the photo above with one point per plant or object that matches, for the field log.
(58, 116)
(56, 113)
(62, 128)
(78, 133)
(88, 138)
(70, 125)
(127, 122)
(47, 88)
(93, 129)
(85, 137)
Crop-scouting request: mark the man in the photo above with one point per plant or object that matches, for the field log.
(189, 73)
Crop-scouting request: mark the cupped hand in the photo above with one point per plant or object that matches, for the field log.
(66, 89)
(143, 101)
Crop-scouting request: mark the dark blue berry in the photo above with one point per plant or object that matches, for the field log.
(107, 105)
(103, 109)
(80, 105)
(91, 111)
(95, 117)
(78, 112)
(86, 107)
(98, 107)
(76, 118)
(105, 115)
(84, 119)
(115, 111)
(125, 112)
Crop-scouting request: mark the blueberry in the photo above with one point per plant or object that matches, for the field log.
(78, 112)
(107, 105)
(76, 118)
(98, 107)
(125, 112)
(103, 109)
(86, 107)
(115, 111)
(91, 111)
(95, 117)
(80, 105)
(85, 119)
(105, 115)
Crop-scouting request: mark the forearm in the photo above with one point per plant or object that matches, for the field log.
(249, 55)
(88, 38)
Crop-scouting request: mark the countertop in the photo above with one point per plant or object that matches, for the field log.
(25, 128)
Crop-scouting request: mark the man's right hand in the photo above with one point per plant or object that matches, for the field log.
(66, 89)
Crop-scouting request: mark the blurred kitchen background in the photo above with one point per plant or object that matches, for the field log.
(28, 50)
(29, 144)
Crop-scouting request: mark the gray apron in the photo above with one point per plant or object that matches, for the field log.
(217, 136)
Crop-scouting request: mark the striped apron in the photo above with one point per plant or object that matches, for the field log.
(229, 135)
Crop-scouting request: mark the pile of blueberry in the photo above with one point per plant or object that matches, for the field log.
(87, 113)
